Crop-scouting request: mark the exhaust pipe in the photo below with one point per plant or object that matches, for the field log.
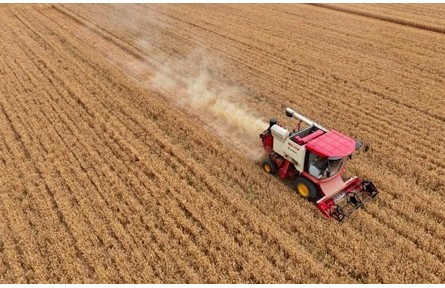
(272, 122)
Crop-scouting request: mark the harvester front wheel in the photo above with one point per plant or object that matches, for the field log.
(306, 189)
(270, 167)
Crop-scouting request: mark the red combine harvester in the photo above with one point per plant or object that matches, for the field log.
(314, 158)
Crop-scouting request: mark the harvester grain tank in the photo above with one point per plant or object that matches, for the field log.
(314, 158)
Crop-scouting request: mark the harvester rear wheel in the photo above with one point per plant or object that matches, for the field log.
(269, 166)
(306, 189)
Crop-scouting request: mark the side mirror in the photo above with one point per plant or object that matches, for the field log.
(367, 147)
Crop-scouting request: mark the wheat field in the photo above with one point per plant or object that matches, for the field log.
(129, 149)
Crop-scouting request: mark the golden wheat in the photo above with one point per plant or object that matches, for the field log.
(114, 171)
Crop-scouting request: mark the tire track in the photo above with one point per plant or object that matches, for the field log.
(397, 21)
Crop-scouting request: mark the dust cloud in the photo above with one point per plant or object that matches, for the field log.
(191, 86)
(190, 82)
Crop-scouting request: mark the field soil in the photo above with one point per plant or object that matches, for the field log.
(129, 148)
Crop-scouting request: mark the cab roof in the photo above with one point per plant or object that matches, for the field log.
(332, 144)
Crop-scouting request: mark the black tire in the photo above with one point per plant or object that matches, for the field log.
(269, 166)
(306, 189)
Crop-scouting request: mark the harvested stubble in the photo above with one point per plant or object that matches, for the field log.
(107, 178)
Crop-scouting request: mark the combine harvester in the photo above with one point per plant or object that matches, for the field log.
(314, 158)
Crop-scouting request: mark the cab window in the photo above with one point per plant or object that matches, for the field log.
(323, 167)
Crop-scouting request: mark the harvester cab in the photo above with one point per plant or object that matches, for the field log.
(314, 159)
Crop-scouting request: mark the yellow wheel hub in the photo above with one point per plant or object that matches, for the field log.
(267, 168)
(303, 190)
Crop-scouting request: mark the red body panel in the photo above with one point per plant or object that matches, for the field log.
(304, 140)
(284, 170)
(328, 186)
(267, 142)
(332, 144)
